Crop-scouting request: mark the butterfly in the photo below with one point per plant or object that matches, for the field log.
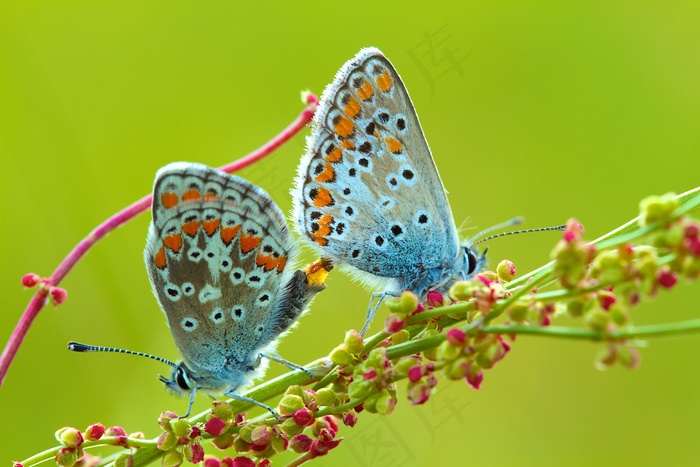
(368, 194)
(220, 261)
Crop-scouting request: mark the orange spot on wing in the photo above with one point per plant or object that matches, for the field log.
(352, 108)
(323, 198)
(366, 91)
(336, 155)
(344, 127)
(191, 195)
(248, 242)
(268, 262)
(384, 81)
(394, 145)
(328, 174)
(282, 263)
(211, 198)
(347, 144)
(228, 233)
(159, 258)
(210, 226)
(173, 242)
(168, 200)
(323, 230)
(191, 228)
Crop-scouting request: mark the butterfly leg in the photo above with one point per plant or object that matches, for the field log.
(293, 366)
(230, 393)
(374, 307)
(189, 407)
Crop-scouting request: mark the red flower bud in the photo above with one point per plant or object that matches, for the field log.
(215, 426)
(415, 373)
(456, 337)
(31, 280)
(667, 279)
(435, 298)
(303, 417)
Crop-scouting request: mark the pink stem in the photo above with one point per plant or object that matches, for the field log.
(40, 297)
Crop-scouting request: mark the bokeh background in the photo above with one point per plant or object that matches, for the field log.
(539, 109)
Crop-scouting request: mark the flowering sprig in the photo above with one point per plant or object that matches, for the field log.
(452, 337)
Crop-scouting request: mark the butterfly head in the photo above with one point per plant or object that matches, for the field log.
(470, 261)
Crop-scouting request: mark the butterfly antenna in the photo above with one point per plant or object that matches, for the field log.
(78, 347)
(503, 234)
(502, 225)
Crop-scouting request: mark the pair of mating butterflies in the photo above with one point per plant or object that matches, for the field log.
(368, 196)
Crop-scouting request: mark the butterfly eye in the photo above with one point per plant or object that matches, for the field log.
(471, 260)
(181, 379)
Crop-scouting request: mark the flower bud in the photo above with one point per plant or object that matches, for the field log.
(350, 418)
(506, 270)
(667, 279)
(215, 426)
(408, 302)
(242, 461)
(418, 394)
(172, 459)
(66, 457)
(340, 356)
(31, 280)
(223, 441)
(447, 352)
(474, 379)
(289, 404)
(394, 323)
(290, 427)
(94, 432)
(194, 453)
(326, 397)
(435, 299)
(222, 410)
(166, 441)
(385, 404)
(300, 443)
(124, 460)
(359, 388)
(70, 437)
(260, 435)
(241, 445)
(165, 418)
(354, 342)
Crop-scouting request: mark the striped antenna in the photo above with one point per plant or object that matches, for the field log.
(502, 225)
(78, 347)
(503, 234)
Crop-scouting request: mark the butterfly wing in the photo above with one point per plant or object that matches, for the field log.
(217, 255)
(368, 191)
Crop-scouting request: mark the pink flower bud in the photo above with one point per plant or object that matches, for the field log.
(607, 299)
(435, 298)
(393, 323)
(94, 432)
(667, 279)
(212, 462)
(58, 295)
(241, 461)
(303, 417)
(194, 453)
(31, 280)
(415, 373)
(474, 379)
(119, 433)
(260, 436)
(215, 426)
(300, 443)
(456, 337)
(350, 418)
(369, 374)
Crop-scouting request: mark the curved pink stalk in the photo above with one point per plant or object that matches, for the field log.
(41, 296)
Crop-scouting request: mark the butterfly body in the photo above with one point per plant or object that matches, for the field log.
(219, 258)
(368, 194)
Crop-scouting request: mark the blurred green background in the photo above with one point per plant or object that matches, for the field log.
(545, 110)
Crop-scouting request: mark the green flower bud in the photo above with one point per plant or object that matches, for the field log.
(370, 404)
(124, 460)
(247, 432)
(385, 404)
(461, 291)
(66, 457)
(289, 404)
(618, 315)
(223, 441)
(241, 445)
(393, 304)
(597, 319)
(518, 312)
(294, 390)
(222, 410)
(447, 352)
(290, 427)
(404, 364)
(400, 337)
(408, 302)
(457, 369)
(167, 440)
(326, 397)
(180, 426)
(505, 270)
(354, 342)
(172, 459)
(340, 356)
(359, 388)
